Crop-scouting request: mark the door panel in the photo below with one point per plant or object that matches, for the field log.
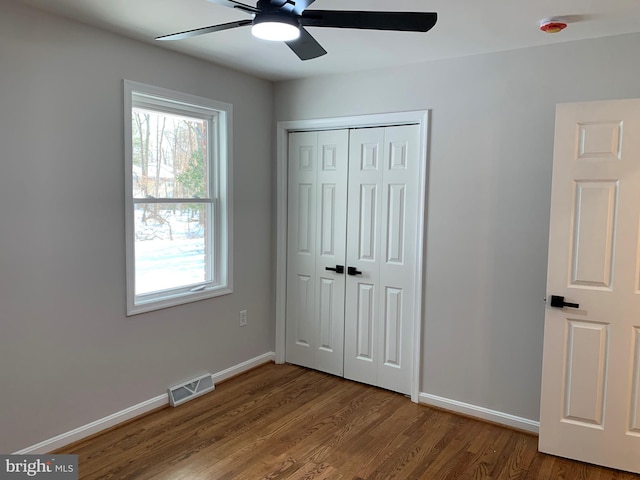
(317, 232)
(328, 220)
(396, 230)
(585, 376)
(595, 213)
(333, 151)
(326, 301)
(382, 205)
(365, 323)
(305, 230)
(392, 353)
(362, 330)
(303, 301)
(301, 282)
(589, 400)
(367, 218)
(398, 265)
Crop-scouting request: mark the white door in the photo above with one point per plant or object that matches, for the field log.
(590, 406)
(362, 329)
(316, 243)
(381, 255)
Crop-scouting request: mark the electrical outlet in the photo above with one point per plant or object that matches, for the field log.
(243, 318)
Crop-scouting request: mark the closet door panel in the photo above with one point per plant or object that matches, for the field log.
(302, 249)
(331, 227)
(366, 152)
(399, 211)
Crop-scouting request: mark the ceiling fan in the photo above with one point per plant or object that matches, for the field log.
(285, 20)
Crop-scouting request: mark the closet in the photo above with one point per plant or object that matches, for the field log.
(352, 247)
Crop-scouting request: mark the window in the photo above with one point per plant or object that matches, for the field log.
(178, 199)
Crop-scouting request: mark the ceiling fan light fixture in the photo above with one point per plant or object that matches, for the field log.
(275, 28)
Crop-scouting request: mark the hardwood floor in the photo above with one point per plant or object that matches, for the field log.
(285, 422)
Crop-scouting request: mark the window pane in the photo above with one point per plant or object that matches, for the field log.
(171, 246)
(169, 154)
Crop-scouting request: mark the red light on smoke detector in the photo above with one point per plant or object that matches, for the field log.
(549, 26)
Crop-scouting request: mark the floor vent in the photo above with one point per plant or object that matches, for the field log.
(184, 392)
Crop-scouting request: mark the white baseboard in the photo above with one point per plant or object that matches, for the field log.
(244, 366)
(480, 412)
(92, 428)
(84, 431)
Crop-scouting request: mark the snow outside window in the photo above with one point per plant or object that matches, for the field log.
(178, 210)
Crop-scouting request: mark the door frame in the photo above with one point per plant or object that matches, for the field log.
(420, 117)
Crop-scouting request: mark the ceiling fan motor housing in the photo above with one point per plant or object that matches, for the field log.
(268, 6)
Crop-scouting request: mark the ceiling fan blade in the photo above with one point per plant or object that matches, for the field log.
(289, 6)
(203, 30)
(400, 21)
(306, 47)
(237, 5)
(301, 5)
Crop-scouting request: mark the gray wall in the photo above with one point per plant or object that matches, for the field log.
(488, 202)
(68, 354)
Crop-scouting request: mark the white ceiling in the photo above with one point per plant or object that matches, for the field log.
(465, 27)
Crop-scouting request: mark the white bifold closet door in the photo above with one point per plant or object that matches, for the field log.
(317, 223)
(352, 249)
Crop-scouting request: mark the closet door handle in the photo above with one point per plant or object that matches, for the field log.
(337, 269)
(353, 271)
(558, 302)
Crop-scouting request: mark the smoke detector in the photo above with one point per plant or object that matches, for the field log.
(552, 25)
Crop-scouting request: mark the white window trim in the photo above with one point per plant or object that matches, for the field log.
(223, 205)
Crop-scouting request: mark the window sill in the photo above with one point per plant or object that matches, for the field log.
(177, 299)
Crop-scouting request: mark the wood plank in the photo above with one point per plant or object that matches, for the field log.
(282, 422)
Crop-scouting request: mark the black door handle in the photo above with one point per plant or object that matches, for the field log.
(558, 302)
(353, 271)
(337, 269)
